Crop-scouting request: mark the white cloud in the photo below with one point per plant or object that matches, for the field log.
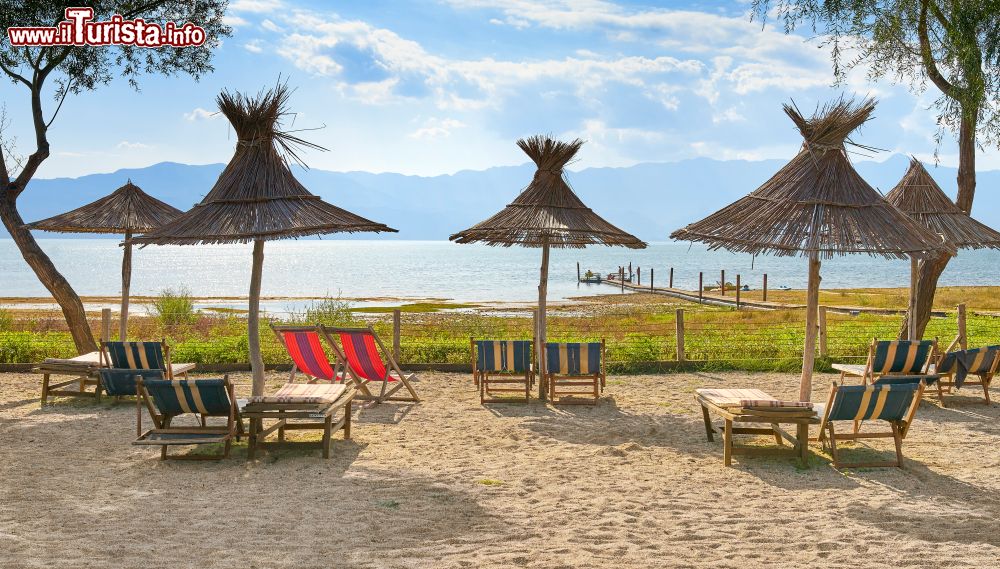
(436, 128)
(255, 6)
(728, 115)
(200, 114)
(234, 20)
(271, 26)
(126, 145)
(253, 46)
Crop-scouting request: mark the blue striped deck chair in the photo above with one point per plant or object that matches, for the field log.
(502, 367)
(141, 355)
(575, 370)
(892, 357)
(955, 366)
(122, 382)
(891, 399)
(166, 399)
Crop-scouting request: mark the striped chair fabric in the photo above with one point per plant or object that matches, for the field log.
(982, 363)
(307, 353)
(582, 358)
(885, 401)
(362, 355)
(901, 356)
(503, 355)
(135, 355)
(119, 382)
(179, 396)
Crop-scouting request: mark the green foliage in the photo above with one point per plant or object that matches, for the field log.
(330, 311)
(6, 320)
(174, 307)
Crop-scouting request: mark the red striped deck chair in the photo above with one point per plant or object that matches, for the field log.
(361, 353)
(305, 347)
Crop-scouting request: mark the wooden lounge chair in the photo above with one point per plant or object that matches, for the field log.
(893, 357)
(166, 399)
(502, 367)
(981, 362)
(142, 356)
(891, 399)
(360, 355)
(300, 406)
(82, 369)
(304, 345)
(575, 371)
(753, 406)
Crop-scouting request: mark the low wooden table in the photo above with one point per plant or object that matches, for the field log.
(83, 369)
(726, 404)
(307, 416)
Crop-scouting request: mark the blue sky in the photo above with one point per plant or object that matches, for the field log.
(435, 86)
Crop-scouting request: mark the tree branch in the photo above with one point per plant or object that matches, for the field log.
(62, 99)
(41, 140)
(14, 75)
(927, 56)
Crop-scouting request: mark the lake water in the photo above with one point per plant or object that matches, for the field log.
(434, 269)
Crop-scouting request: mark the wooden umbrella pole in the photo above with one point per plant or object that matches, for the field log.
(812, 314)
(253, 318)
(543, 289)
(126, 284)
(911, 311)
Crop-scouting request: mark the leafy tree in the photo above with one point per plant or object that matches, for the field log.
(951, 45)
(61, 71)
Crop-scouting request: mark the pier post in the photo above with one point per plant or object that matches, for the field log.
(396, 325)
(823, 350)
(963, 337)
(671, 285)
(701, 286)
(765, 288)
(638, 276)
(722, 282)
(621, 277)
(737, 291)
(578, 271)
(651, 279)
(680, 334)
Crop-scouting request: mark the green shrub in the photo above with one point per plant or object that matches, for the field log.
(6, 320)
(330, 311)
(175, 307)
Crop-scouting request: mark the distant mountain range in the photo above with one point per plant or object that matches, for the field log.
(649, 200)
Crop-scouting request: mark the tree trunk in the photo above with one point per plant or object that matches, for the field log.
(54, 282)
(928, 274)
(126, 285)
(812, 327)
(253, 319)
(931, 269)
(543, 291)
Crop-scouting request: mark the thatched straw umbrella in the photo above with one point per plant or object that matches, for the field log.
(257, 199)
(547, 214)
(126, 211)
(919, 196)
(817, 206)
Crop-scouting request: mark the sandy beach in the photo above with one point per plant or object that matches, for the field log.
(450, 483)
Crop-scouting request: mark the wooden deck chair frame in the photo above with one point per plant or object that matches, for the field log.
(555, 381)
(212, 434)
(946, 381)
(897, 432)
(390, 364)
(336, 363)
(483, 379)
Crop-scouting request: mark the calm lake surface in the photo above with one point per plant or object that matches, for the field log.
(435, 269)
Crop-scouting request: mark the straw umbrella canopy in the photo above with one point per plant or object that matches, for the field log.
(257, 199)
(816, 206)
(919, 196)
(126, 211)
(547, 214)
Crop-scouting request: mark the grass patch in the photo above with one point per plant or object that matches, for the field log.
(388, 504)
(490, 482)
(174, 307)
